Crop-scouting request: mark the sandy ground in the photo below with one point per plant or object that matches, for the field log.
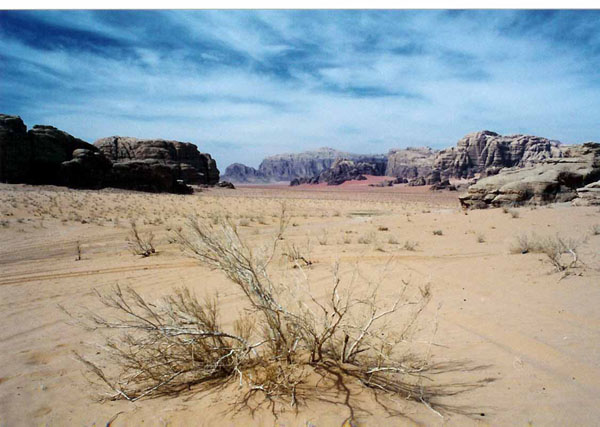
(534, 330)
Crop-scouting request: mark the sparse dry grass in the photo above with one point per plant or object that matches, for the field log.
(556, 248)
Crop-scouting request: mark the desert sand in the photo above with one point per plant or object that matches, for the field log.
(532, 329)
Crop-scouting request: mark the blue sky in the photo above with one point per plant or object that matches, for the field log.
(246, 84)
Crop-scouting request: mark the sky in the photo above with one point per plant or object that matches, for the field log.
(243, 85)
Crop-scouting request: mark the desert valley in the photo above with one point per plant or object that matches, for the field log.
(506, 330)
(310, 217)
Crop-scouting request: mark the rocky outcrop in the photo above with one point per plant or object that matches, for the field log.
(341, 170)
(226, 184)
(552, 180)
(35, 156)
(187, 162)
(410, 163)
(147, 175)
(588, 195)
(87, 169)
(238, 172)
(286, 167)
(344, 170)
(46, 155)
(485, 151)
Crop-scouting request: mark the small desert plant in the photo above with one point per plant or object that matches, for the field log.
(393, 241)
(410, 245)
(140, 244)
(244, 222)
(480, 238)
(322, 238)
(514, 213)
(382, 228)
(438, 232)
(295, 255)
(553, 247)
(595, 230)
(366, 239)
(78, 249)
(347, 239)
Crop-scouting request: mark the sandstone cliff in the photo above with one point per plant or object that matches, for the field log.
(487, 152)
(35, 156)
(238, 172)
(341, 170)
(410, 163)
(561, 179)
(184, 158)
(46, 155)
(285, 167)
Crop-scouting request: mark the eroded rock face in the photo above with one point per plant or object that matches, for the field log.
(341, 170)
(190, 165)
(552, 180)
(482, 151)
(35, 157)
(410, 163)
(46, 155)
(147, 175)
(87, 169)
(15, 150)
(588, 195)
(309, 164)
(344, 170)
(238, 172)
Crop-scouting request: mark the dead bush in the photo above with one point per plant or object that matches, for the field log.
(561, 252)
(140, 244)
(272, 348)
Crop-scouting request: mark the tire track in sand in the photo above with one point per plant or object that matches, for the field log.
(124, 269)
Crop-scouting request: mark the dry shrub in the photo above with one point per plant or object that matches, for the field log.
(556, 248)
(410, 245)
(275, 346)
(140, 244)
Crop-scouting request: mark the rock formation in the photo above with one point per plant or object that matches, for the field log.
(487, 152)
(87, 169)
(187, 162)
(410, 163)
(552, 180)
(341, 170)
(35, 156)
(588, 195)
(46, 155)
(238, 172)
(286, 167)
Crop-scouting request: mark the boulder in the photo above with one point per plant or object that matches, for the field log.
(189, 164)
(443, 185)
(588, 195)
(386, 183)
(417, 182)
(552, 180)
(226, 184)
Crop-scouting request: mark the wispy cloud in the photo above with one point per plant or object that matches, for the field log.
(245, 84)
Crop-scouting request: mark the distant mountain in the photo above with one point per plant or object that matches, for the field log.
(286, 167)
